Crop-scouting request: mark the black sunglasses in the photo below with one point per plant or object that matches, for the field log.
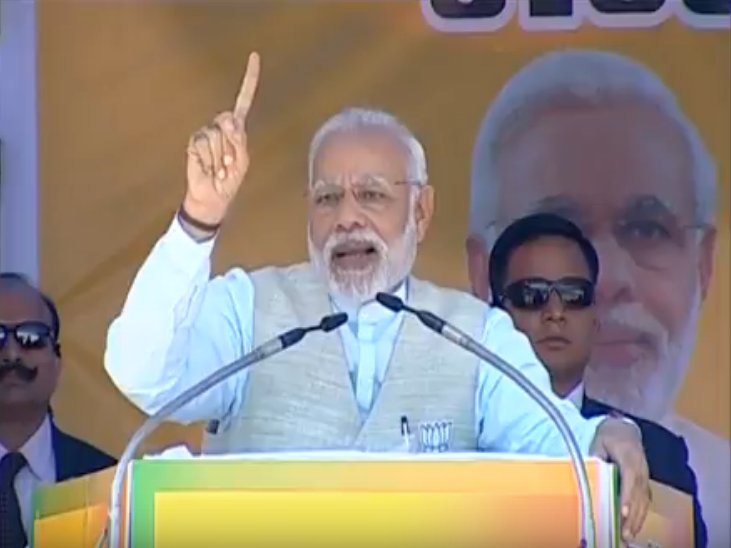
(28, 335)
(534, 293)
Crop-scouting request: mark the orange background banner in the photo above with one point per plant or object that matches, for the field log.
(115, 119)
(122, 86)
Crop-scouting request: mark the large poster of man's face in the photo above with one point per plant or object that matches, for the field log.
(599, 139)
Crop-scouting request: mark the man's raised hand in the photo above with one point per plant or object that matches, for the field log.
(218, 156)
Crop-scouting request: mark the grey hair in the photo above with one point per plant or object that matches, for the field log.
(577, 77)
(356, 119)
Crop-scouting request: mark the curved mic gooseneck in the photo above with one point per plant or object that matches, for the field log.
(448, 331)
(267, 349)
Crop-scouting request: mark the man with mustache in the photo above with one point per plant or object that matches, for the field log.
(369, 207)
(599, 139)
(33, 450)
(543, 272)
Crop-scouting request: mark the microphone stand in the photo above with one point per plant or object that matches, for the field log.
(267, 349)
(454, 335)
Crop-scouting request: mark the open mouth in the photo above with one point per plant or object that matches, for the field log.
(355, 255)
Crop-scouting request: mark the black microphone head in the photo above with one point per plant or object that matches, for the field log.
(392, 302)
(333, 321)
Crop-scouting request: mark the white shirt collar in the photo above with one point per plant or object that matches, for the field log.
(38, 451)
(371, 312)
(576, 396)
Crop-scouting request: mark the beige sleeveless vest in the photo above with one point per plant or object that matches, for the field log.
(303, 399)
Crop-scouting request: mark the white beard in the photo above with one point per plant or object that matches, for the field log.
(360, 286)
(648, 387)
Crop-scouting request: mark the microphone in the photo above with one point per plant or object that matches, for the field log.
(267, 349)
(448, 331)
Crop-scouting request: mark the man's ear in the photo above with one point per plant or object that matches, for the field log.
(705, 260)
(478, 266)
(424, 210)
(56, 371)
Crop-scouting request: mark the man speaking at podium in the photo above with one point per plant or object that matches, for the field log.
(369, 207)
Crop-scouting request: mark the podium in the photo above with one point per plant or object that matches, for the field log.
(351, 499)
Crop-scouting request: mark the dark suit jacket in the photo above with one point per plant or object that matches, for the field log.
(667, 458)
(75, 457)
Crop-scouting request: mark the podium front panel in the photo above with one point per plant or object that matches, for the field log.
(71, 513)
(363, 503)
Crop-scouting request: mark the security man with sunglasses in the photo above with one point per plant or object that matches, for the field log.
(543, 272)
(33, 450)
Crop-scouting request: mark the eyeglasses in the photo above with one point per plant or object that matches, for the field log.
(373, 193)
(534, 293)
(28, 335)
(650, 233)
(651, 243)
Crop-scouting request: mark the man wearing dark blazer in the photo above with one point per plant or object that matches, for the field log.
(543, 272)
(75, 457)
(33, 450)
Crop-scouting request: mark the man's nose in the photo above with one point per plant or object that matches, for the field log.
(9, 351)
(350, 214)
(615, 281)
(554, 309)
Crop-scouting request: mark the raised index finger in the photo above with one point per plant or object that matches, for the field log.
(248, 88)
